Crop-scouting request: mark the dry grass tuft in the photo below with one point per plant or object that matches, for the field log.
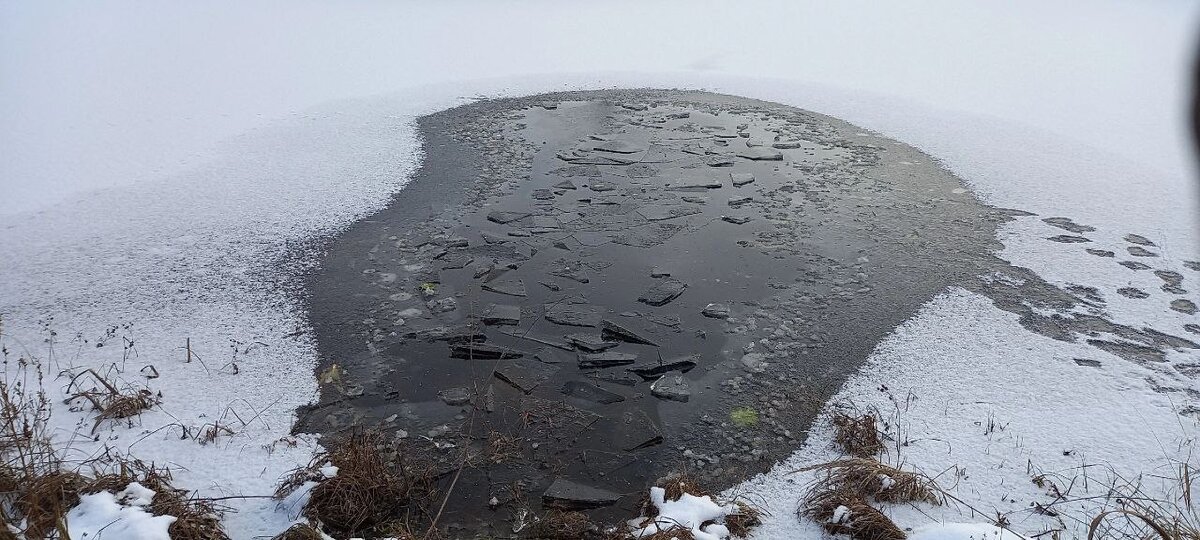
(374, 485)
(675, 533)
(857, 435)
(674, 486)
(1131, 511)
(300, 531)
(746, 518)
(871, 479)
(501, 447)
(396, 530)
(839, 501)
(43, 500)
(842, 511)
(296, 478)
(38, 487)
(195, 519)
(560, 525)
(109, 402)
(678, 484)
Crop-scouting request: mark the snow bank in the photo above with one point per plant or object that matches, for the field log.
(120, 516)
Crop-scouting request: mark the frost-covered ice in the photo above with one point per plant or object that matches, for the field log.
(119, 516)
(984, 405)
(293, 504)
(961, 531)
(155, 188)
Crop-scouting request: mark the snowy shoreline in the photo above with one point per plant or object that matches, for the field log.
(344, 159)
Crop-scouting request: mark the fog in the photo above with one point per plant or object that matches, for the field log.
(103, 94)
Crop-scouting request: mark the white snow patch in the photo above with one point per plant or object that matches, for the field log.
(135, 494)
(103, 515)
(688, 512)
(293, 504)
(329, 471)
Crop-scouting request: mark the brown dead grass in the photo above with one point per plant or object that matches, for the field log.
(375, 485)
(857, 435)
(109, 402)
(854, 482)
(396, 530)
(674, 486)
(677, 485)
(1133, 512)
(746, 518)
(502, 448)
(43, 500)
(678, 533)
(862, 522)
(866, 477)
(38, 487)
(561, 525)
(300, 531)
(195, 519)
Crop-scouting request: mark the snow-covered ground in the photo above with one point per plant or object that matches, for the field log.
(984, 406)
(160, 159)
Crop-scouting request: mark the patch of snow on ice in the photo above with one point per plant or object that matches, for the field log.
(135, 494)
(329, 471)
(688, 512)
(293, 504)
(841, 514)
(104, 516)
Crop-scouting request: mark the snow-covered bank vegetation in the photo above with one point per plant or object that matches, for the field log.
(1008, 429)
(49, 489)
